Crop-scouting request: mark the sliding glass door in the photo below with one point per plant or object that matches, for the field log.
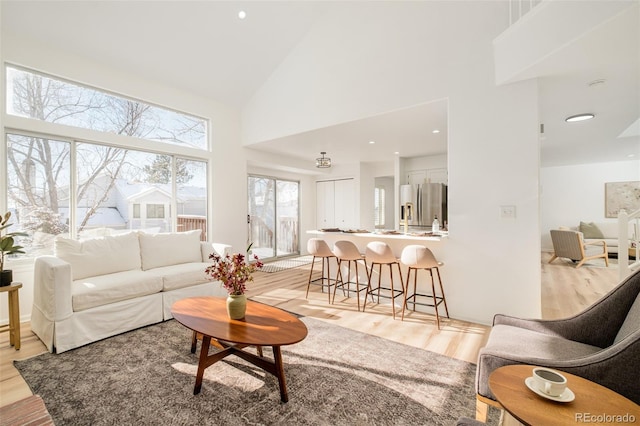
(273, 216)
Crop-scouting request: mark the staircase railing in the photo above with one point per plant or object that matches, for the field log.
(519, 8)
(627, 247)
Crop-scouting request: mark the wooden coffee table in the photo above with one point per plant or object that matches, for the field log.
(263, 325)
(591, 400)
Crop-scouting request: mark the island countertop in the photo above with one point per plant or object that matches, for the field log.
(396, 240)
(383, 235)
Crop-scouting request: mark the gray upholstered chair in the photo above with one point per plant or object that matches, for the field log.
(570, 244)
(601, 344)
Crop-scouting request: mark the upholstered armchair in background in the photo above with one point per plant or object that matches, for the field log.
(601, 344)
(571, 245)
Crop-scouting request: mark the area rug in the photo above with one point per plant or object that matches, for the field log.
(283, 264)
(336, 376)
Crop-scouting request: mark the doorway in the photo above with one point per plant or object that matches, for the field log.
(273, 217)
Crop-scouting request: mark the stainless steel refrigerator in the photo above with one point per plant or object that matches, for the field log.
(420, 204)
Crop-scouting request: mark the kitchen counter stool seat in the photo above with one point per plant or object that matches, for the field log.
(348, 251)
(318, 247)
(379, 253)
(417, 257)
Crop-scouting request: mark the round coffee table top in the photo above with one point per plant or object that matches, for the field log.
(591, 399)
(263, 325)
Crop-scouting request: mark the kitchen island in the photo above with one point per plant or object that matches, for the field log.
(396, 240)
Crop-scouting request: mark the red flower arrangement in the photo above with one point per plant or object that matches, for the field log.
(234, 271)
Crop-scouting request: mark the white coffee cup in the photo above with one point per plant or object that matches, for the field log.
(549, 381)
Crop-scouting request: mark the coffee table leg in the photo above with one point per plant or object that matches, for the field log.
(202, 364)
(279, 370)
(194, 342)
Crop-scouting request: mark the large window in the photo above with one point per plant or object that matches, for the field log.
(46, 98)
(62, 185)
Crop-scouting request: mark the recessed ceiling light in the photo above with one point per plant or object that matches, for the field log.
(579, 117)
(396, 153)
(435, 131)
(372, 142)
(242, 14)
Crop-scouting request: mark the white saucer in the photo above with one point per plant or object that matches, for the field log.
(566, 396)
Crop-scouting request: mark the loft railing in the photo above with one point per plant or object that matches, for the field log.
(626, 247)
(519, 8)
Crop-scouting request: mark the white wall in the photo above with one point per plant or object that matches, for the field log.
(228, 166)
(492, 265)
(572, 194)
(388, 184)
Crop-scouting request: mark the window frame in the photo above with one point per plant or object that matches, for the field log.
(32, 127)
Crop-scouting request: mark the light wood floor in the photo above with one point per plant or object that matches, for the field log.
(565, 291)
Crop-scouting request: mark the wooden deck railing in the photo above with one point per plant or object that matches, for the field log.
(288, 239)
(189, 223)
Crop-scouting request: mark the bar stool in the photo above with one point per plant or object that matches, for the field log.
(379, 253)
(347, 251)
(319, 248)
(417, 257)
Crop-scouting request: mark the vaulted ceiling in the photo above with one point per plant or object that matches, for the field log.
(204, 48)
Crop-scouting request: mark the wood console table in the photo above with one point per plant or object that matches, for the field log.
(14, 314)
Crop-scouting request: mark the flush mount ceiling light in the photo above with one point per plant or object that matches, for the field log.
(323, 162)
(579, 117)
(242, 14)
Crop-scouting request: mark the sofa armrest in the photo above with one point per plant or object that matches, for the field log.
(207, 248)
(52, 288)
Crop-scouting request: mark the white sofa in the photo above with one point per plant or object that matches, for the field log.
(607, 231)
(89, 290)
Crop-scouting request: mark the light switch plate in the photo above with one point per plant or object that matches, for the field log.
(507, 212)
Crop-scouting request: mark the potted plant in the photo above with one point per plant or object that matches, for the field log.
(234, 271)
(7, 247)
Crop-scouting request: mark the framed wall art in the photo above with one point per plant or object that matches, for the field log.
(621, 195)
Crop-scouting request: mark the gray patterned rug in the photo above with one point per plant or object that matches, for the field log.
(336, 376)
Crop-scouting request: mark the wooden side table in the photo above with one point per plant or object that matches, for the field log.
(593, 403)
(14, 314)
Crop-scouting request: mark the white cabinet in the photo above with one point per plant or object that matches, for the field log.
(325, 204)
(415, 177)
(438, 176)
(335, 204)
(344, 197)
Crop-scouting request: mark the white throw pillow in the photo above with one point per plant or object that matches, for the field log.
(99, 256)
(169, 249)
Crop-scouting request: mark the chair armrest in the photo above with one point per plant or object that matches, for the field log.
(614, 367)
(208, 248)
(52, 288)
(596, 242)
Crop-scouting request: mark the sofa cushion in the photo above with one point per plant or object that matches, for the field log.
(590, 230)
(99, 256)
(180, 276)
(631, 322)
(157, 250)
(104, 289)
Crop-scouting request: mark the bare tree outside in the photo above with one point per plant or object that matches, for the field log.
(39, 168)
